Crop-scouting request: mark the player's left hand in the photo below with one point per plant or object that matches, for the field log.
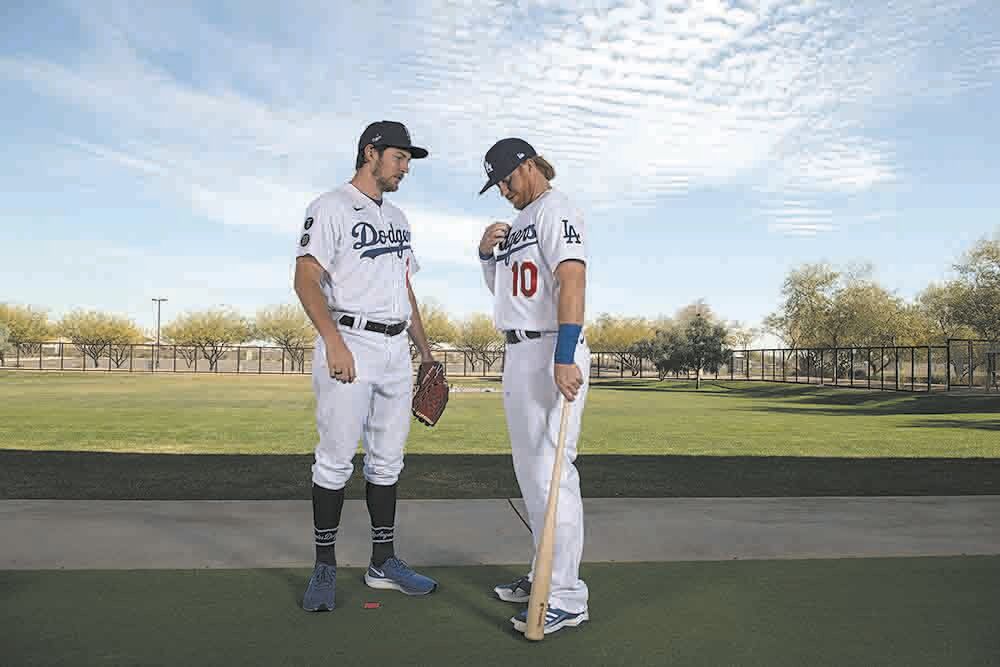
(569, 379)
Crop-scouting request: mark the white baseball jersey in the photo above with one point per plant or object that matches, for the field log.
(365, 249)
(522, 277)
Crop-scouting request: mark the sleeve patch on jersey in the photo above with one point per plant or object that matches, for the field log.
(304, 241)
(570, 234)
(309, 223)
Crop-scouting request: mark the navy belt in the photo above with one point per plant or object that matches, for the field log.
(377, 327)
(512, 336)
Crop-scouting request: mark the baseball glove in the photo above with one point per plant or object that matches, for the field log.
(431, 394)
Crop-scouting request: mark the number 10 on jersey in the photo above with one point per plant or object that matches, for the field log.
(525, 278)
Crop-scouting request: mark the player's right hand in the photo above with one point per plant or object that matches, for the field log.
(494, 235)
(340, 362)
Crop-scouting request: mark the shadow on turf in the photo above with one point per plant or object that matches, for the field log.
(108, 476)
(992, 425)
(820, 400)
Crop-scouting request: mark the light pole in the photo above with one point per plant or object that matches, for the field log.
(159, 302)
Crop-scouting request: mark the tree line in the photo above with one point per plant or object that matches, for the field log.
(821, 306)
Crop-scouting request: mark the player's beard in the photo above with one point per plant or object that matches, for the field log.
(384, 183)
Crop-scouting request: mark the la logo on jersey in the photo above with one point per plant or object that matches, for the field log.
(379, 241)
(569, 233)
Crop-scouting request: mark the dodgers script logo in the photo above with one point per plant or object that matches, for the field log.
(517, 241)
(394, 240)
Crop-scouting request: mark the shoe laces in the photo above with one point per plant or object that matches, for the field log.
(399, 563)
(325, 575)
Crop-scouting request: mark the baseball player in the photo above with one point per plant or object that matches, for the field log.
(536, 270)
(352, 275)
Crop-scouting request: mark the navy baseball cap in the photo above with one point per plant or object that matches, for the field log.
(503, 158)
(389, 133)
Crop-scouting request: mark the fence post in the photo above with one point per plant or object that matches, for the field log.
(175, 358)
(928, 369)
(852, 367)
(913, 368)
(239, 353)
(869, 373)
(970, 364)
(109, 357)
(895, 356)
(131, 349)
(947, 364)
(61, 355)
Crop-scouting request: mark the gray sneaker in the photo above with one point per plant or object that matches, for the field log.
(518, 591)
(322, 588)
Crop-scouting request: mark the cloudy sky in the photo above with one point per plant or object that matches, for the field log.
(170, 151)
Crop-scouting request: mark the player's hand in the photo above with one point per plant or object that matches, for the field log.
(569, 379)
(340, 362)
(494, 235)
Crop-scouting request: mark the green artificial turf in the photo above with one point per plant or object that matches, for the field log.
(906, 612)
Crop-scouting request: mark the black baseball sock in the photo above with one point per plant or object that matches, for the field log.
(327, 505)
(382, 509)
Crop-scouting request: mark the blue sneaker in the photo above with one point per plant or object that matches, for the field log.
(398, 576)
(322, 588)
(518, 591)
(555, 619)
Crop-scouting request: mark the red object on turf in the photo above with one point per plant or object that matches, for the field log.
(372, 605)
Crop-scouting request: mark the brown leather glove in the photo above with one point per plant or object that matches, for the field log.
(431, 394)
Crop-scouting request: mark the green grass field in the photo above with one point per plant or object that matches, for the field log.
(76, 436)
(907, 612)
(225, 414)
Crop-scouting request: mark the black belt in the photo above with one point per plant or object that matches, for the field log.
(377, 327)
(512, 336)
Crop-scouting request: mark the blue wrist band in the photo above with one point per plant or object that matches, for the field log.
(485, 258)
(569, 336)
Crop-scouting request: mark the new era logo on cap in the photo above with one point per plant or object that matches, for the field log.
(489, 167)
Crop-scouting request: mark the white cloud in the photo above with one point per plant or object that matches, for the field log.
(633, 101)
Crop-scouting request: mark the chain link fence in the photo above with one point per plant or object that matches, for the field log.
(961, 364)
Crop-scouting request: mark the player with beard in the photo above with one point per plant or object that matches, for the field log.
(352, 276)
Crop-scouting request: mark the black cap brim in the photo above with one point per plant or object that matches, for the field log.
(416, 152)
(496, 178)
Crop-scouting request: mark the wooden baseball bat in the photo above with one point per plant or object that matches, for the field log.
(541, 583)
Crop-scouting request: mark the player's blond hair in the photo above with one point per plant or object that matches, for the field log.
(548, 171)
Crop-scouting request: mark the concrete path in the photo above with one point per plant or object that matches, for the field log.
(53, 534)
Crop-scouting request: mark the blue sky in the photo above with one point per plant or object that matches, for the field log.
(170, 151)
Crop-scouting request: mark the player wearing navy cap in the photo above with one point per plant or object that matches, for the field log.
(536, 269)
(352, 275)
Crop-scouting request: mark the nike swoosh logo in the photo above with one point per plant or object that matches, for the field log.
(359, 208)
(377, 573)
